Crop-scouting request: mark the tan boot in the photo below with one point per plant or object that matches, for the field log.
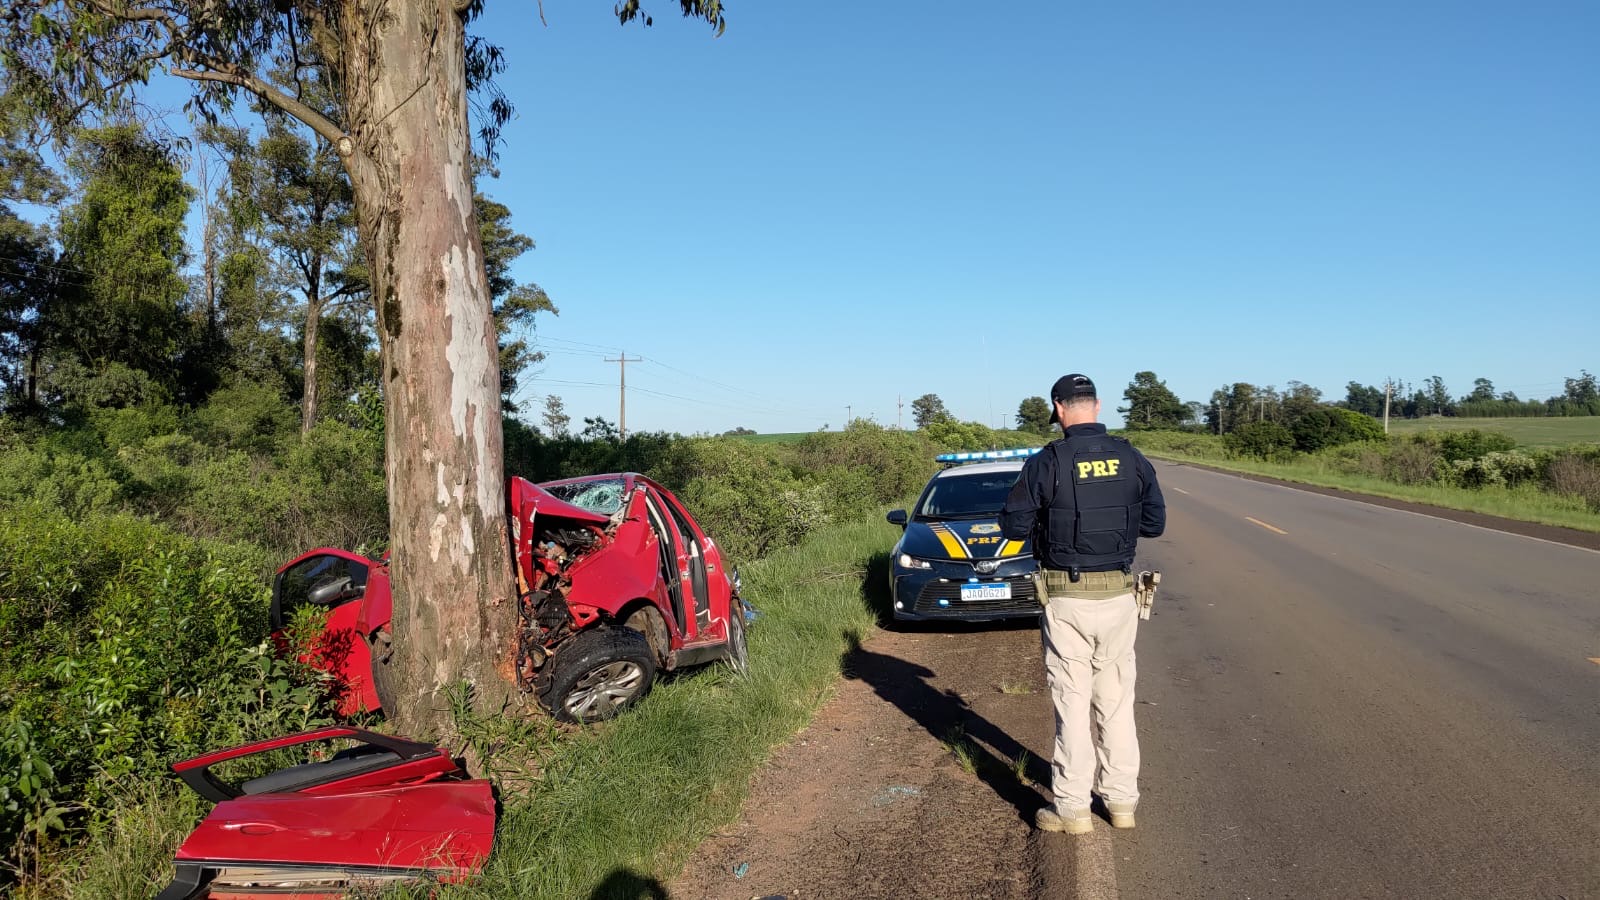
(1121, 814)
(1076, 822)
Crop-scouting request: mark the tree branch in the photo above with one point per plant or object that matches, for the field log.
(227, 74)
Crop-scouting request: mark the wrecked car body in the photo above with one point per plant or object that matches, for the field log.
(380, 811)
(616, 582)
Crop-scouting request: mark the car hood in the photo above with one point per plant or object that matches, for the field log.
(960, 539)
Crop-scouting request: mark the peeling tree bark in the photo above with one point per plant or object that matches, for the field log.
(408, 157)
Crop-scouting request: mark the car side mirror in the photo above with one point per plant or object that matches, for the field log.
(333, 591)
(897, 517)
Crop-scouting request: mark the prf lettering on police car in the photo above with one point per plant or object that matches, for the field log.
(1100, 468)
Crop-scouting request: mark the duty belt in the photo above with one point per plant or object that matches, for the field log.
(1089, 586)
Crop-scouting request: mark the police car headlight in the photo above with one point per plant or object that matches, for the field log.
(908, 561)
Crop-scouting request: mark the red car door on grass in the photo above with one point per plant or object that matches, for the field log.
(337, 581)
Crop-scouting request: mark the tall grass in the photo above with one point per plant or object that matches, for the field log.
(1525, 503)
(621, 805)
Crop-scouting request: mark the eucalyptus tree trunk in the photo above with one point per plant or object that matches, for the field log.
(407, 153)
(308, 395)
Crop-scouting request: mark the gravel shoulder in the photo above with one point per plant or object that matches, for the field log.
(873, 800)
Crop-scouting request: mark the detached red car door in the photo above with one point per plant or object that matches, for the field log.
(355, 592)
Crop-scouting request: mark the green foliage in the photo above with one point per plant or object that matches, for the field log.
(927, 409)
(121, 316)
(1033, 414)
(1453, 446)
(1330, 426)
(1576, 473)
(247, 416)
(952, 435)
(124, 646)
(1151, 404)
(1262, 440)
(1497, 468)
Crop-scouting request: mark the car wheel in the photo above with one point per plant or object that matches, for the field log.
(738, 648)
(601, 673)
(382, 675)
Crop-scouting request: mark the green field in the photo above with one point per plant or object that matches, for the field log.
(787, 437)
(1527, 431)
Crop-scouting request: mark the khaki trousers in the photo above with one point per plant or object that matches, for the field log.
(1088, 659)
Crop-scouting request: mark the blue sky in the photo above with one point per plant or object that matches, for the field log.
(837, 206)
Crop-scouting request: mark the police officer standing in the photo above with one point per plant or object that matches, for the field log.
(1085, 500)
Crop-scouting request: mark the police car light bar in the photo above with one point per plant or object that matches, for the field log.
(980, 455)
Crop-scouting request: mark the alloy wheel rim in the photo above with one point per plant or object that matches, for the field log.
(605, 689)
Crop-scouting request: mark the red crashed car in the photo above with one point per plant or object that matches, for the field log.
(382, 810)
(616, 581)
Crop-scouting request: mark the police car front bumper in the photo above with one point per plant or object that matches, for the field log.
(955, 591)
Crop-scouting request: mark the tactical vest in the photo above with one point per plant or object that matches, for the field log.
(1093, 518)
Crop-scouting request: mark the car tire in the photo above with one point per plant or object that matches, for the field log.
(738, 647)
(383, 677)
(601, 673)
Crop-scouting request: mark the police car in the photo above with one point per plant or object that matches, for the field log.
(953, 562)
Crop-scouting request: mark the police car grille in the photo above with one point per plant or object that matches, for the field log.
(1022, 601)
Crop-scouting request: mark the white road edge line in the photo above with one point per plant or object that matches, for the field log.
(1097, 865)
(1408, 512)
(1181, 490)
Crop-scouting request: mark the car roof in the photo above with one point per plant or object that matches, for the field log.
(982, 468)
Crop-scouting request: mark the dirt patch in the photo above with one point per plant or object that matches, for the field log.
(919, 778)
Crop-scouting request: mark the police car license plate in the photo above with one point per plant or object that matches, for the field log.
(1000, 591)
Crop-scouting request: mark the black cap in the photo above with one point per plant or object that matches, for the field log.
(1068, 388)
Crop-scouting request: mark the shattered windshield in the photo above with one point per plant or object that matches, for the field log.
(602, 495)
(976, 496)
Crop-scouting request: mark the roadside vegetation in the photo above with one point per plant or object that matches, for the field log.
(1477, 471)
(136, 548)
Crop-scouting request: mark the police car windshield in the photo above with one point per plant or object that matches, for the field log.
(974, 496)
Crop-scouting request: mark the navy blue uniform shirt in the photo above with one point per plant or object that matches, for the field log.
(1036, 486)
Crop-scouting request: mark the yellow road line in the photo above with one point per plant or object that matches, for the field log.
(1265, 525)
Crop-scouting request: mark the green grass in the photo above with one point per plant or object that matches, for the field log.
(614, 810)
(1550, 431)
(620, 807)
(1528, 504)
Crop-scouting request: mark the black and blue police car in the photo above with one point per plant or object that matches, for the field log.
(953, 562)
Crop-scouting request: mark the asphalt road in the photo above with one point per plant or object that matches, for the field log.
(1343, 700)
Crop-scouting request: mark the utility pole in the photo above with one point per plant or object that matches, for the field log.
(1388, 388)
(848, 415)
(899, 407)
(622, 402)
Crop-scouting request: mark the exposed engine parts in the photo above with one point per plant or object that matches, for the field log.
(544, 619)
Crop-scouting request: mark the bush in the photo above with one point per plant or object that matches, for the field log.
(1331, 426)
(1469, 444)
(123, 646)
(1262, 440)
(1507, 468)
(1413, 462)
(1577, 474)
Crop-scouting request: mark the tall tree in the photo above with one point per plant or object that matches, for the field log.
(28, 271)
(1582, 389)
(1438, 397)
(927, 409)
(515, 304)
(117, 328)
(555, 416)
(1482, 390)
(1151, 404)
(1034, 415)
(290, 186)
(1364, 399)
(400, 72)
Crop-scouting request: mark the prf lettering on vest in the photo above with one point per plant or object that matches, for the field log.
(1100, 468)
